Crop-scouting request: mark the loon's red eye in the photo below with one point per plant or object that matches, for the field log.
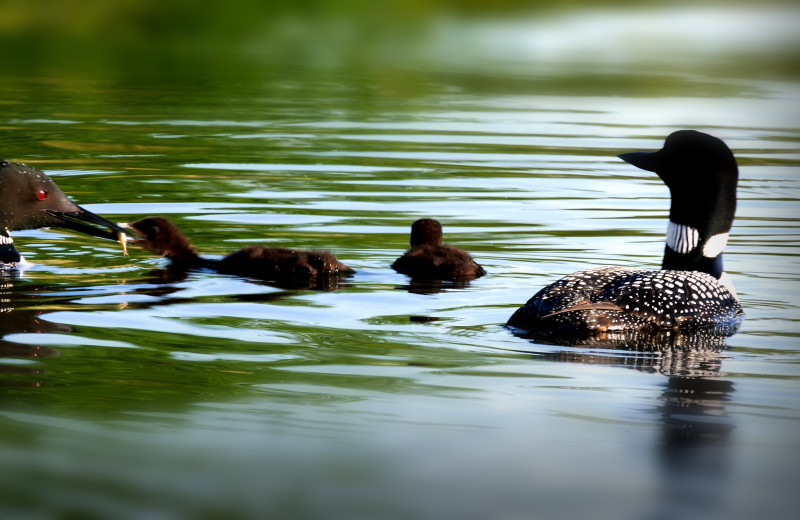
(41, 194)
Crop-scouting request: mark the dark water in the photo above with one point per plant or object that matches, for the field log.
(128, 392)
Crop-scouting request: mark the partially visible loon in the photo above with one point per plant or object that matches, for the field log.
(691, 290)
(29, 199)
(429, 258)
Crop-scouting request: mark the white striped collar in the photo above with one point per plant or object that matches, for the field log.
(683, 239)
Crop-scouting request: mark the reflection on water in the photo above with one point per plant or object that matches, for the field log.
(697, 341)
(693, 452)
(133, 391)
(24, 320)
(695, 449)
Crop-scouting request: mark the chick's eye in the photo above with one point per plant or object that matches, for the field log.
(41, 194)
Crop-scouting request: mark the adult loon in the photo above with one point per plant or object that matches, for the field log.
(268, 263)
(31, 200)
(691, 290)
(429, 258)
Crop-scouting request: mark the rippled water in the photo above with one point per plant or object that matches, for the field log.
(132, 392)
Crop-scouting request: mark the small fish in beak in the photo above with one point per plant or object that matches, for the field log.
(123, 241)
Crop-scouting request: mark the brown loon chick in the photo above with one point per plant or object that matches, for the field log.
(691, 290)
(268, 263)
(429, 258)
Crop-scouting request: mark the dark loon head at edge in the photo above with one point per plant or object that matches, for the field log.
(31, 200)
(701, 174)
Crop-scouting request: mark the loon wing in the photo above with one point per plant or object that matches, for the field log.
(587, 306)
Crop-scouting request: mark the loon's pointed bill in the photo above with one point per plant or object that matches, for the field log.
(85, 221)
(82, 220)
(645, 160)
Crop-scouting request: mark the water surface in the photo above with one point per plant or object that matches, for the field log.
(132, 392)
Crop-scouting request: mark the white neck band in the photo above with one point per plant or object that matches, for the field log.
(683, 239)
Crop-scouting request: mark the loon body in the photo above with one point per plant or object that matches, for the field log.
(430, 259)
(29, 199)
(691, 290)
(269, 263)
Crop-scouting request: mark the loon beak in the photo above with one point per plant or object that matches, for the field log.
(649, 161)
(87, 222)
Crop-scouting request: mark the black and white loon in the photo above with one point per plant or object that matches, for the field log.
(29, 199)
(691, 290)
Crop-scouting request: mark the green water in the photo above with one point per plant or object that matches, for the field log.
(130, 392)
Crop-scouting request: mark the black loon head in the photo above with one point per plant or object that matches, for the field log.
(426, 232)
(31, 200)
(702, 175)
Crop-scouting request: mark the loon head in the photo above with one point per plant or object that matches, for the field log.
(32, 200)
(701, 174)
(426, 232)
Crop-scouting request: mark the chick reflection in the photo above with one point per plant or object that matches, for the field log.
(164, 286)
(427, 286)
